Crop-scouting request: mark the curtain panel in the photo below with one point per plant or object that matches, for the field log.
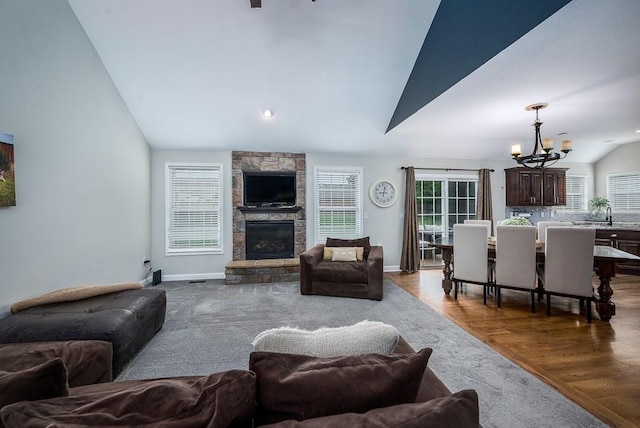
(484, 210)
(410, 258)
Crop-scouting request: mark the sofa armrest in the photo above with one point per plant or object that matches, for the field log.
(375, 272)
(308, 260)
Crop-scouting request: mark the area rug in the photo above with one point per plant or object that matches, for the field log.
(210, 326)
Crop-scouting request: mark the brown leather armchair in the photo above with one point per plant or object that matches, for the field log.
(360, 279)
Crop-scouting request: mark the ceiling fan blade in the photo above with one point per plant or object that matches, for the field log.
(256, 3)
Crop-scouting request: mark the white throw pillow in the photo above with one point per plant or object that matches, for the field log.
(362, 338)
(328, 253)
(344, 254)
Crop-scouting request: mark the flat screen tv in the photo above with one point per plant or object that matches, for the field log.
(269, 189)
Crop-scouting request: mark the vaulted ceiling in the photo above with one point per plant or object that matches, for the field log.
(423, 78)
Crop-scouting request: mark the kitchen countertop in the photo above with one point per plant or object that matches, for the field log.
(605, 225)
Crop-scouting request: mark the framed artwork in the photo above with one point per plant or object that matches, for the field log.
(7, 171)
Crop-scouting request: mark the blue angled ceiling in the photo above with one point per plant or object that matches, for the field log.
(464, 35)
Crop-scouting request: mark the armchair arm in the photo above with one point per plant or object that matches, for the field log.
(375, 272)
(308, 260)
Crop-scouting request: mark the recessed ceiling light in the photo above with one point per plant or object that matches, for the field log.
(637, 131)
(268, 113)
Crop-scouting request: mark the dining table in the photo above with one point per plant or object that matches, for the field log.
(604, 264)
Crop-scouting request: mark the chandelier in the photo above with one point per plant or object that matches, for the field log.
(542, 154)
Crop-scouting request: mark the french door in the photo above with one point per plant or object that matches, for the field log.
(442, 202)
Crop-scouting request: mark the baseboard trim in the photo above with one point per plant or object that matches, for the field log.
(193, 276)
(392, 268)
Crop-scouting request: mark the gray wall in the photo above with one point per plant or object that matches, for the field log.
(82, 165)
(176, 267)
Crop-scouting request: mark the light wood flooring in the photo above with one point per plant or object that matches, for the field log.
(596, 365)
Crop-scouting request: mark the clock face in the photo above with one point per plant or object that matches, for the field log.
(383, 193)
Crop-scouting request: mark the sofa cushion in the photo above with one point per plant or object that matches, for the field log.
(457, 410)
(301, 387)
(351, 272)
(221, 399)
(365, 337)
(87, 361)
(46, 380)
(360, 242)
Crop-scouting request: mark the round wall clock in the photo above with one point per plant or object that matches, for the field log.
(383, 193)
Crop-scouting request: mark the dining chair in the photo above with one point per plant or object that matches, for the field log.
(568, 265)
(470, 257)
(542, 226)
(486, 223)
(515, 266)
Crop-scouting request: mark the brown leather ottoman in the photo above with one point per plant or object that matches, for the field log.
(128, 319)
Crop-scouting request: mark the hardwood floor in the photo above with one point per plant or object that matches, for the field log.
(596, 365)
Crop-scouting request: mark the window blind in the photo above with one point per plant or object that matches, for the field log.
(623, 191)
(194, 195)
(576, 193)
(338, 203)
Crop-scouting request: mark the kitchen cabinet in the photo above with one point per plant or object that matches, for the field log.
(625, 240)
(555, 187)
(535, 187)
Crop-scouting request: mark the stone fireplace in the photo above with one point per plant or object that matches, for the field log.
(268, 162)
(269, 240)
(255, 261)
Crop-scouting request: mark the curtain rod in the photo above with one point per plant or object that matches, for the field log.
(446, 169)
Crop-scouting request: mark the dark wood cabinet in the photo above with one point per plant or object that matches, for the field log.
(555, 187)
(535, 187)
(625, 240)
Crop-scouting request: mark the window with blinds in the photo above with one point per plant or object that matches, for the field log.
(576, 188)
(338, 203)
(194, 199)
(623, 191)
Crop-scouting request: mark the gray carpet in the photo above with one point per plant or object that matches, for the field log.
(210, 326)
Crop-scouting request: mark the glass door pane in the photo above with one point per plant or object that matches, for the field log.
(442, 202)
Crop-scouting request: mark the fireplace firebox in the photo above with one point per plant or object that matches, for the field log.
(269, 240)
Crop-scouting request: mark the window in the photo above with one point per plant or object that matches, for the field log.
(443, 202)
(623, 191)
(194, 198)
(338, 203)
(576, 187)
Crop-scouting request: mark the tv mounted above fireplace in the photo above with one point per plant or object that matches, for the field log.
(269, 189)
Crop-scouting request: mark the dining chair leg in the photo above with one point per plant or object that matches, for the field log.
(548, 305)
(484, 294)
(455, 293)
(499, 296)
(588, 310)
(533, 301)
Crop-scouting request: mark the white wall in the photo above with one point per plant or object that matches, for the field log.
(176, 267)
(625, 158)
(82, 165)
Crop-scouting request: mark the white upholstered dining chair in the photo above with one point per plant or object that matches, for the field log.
(515, 266)
(542, 227)
(568, 265)
(486, 223)
(470, 256)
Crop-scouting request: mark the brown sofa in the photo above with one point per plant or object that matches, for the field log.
(240, 397)
(360, 279)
